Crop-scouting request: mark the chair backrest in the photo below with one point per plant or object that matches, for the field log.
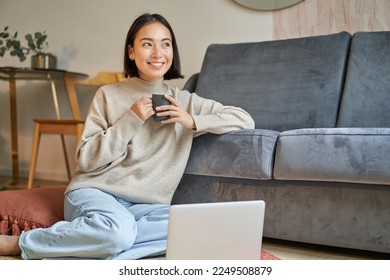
(102, 78)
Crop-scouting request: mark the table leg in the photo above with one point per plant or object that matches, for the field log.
(58, 115)
(14, 131)
(55, 98)
(72, 96)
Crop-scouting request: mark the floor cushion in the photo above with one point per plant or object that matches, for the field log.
(22, 210)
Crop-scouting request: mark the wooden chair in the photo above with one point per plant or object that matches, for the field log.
(67, 126)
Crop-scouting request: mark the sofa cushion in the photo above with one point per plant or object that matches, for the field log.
(283, 84)
(358, 155)
(240, 154)
(30, 208)
(366, 98)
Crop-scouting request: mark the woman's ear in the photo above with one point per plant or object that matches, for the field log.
(130, 52)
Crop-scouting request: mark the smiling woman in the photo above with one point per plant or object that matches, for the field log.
(267, 5)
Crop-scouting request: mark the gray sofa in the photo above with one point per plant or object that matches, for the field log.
(320, 153)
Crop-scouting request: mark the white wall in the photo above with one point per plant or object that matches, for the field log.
(87, 36)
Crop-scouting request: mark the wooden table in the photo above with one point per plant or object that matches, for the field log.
(11, 74)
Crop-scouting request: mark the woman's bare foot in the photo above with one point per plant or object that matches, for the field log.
(9, 245)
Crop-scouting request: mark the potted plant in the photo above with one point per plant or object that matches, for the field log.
(36, 44)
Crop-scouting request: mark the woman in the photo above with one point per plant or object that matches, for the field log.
(128, 164)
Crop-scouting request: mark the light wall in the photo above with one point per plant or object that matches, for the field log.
(88, 36)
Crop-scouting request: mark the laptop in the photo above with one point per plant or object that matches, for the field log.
(216, 231)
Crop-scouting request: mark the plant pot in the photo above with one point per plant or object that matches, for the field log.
(44, 60)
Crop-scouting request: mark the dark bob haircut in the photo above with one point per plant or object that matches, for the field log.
(130, 68)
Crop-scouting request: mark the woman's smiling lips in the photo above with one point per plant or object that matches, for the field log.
(156, 64)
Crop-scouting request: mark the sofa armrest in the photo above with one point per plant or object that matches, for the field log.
(190, 84)
(245, 154)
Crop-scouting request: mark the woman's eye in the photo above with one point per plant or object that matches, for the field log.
(167, 45)
(147, 44)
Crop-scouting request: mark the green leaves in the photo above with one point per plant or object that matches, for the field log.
(11, 44)
(36, 43)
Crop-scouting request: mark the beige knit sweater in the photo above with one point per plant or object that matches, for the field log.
(143, 162)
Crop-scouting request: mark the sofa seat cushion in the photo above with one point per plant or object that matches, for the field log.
(358, 155)
(241, 154)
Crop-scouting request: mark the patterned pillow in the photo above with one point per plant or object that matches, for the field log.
(22, 210)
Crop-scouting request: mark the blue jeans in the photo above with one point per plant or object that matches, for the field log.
(98, 225)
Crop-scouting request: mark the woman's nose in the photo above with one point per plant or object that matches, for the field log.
(156, 52)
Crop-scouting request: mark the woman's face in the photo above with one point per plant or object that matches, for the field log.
(152, 51)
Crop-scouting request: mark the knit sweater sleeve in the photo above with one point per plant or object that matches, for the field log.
(212, 117)
(104, 141)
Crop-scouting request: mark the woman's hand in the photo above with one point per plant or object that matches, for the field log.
(143, 108)
(177, 113)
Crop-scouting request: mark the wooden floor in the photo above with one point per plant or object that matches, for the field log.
(283, 249)
(286, 250)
